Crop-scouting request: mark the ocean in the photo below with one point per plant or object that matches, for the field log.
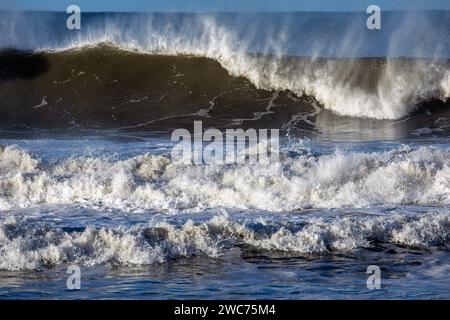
(87, 178)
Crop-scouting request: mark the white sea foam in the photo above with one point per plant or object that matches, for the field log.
(154, 182)
(24, 245)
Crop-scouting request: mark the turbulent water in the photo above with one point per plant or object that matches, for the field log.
(124, 206)
(86, 175)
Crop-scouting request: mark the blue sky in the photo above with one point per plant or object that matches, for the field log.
(224, 5)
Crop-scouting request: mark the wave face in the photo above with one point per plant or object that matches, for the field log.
(262, 48)
(153, 182)
(105, 87)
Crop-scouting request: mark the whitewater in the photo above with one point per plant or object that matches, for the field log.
(401, 176)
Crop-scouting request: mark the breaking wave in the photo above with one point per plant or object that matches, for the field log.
(265, 52)
(153, 182)
(24, 245)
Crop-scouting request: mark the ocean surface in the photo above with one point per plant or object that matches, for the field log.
(87, 179)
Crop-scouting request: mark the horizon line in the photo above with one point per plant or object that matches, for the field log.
(220, 11)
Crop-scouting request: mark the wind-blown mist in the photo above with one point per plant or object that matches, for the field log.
(411, 50)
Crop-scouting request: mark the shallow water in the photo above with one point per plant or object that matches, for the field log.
(407, 274)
